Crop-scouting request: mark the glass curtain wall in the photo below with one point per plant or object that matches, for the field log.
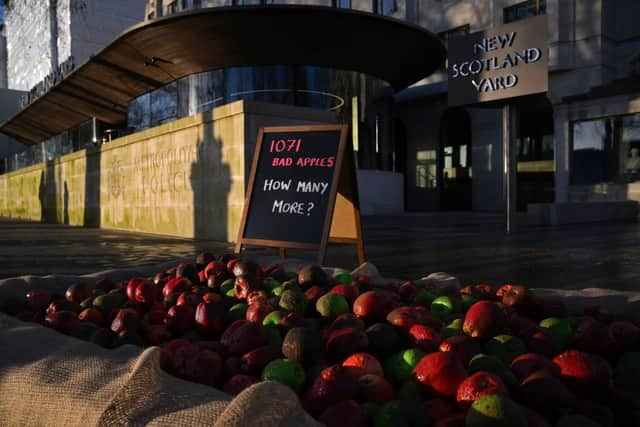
(71, 140)
(353, 97)
(363, 102)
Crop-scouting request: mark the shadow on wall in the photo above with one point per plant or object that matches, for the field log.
(210, 182)
(65, 212)
(91, 187)
(47, 194)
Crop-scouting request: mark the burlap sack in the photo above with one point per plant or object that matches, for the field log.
(49, 379)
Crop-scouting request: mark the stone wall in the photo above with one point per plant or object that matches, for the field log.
(185, 178)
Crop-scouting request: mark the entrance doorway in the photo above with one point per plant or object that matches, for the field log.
(455, 161)
(535, 150)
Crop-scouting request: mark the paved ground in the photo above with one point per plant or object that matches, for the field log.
(471, 246)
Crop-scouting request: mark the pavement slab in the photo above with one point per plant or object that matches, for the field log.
(471, 246)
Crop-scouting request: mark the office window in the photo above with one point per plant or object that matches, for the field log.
(345, 4)
(606, 150)
(453, 32)
(238, 2)
(184, 4)
(525, 10)
(171, 8)
(384, 7)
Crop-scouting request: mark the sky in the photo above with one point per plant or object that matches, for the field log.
(1, 13)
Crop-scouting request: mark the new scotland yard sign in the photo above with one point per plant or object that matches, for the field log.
(502, 62)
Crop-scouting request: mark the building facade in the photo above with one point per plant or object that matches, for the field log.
(44, 34)
(578, 142)
(40, 38)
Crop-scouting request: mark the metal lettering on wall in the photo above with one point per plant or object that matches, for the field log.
(502, 62)
(48, 82)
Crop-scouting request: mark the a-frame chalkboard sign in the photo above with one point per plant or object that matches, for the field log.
(302, 191)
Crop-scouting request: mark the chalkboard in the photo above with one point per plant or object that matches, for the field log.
(292, 186)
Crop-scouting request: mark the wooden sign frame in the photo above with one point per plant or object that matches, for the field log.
(342, 218)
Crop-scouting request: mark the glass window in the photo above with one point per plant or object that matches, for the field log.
(345, 4)
(171, 8)
(525, 10)
(384, 7)
(453, 32)
(627, 134)
(164, 104)
(139, 113)
(606, 150)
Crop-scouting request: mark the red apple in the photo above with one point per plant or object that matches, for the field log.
(424, 338)
(175, 286)
(157, 335)
(363, 363)
(180, 318)
(168, 350)
(346, 413)
(585, 374)
(63, 305)
(38, 299)
(350, 292)
(188, 298)
(92, 315)
(210, 318)
(405, 317)
(62, 321)
(625, 334)
(541, 343)
(78, 292)
(477, 385)
(344, 342)
(528, 363)
(243, 336)
(244, 285)
(127, 319)
(146, 293)
(253, 362)
(373, 305)
(334, 384)
(440, 374)
(155, 317)
(437, 409)
(483, 320)
(374, 388)
(546, 393)
(592, 336)
(257, 311)
(462, 346)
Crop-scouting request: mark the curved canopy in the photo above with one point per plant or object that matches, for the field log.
(151, 54)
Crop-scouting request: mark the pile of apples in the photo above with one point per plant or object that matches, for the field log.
(406, 354)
